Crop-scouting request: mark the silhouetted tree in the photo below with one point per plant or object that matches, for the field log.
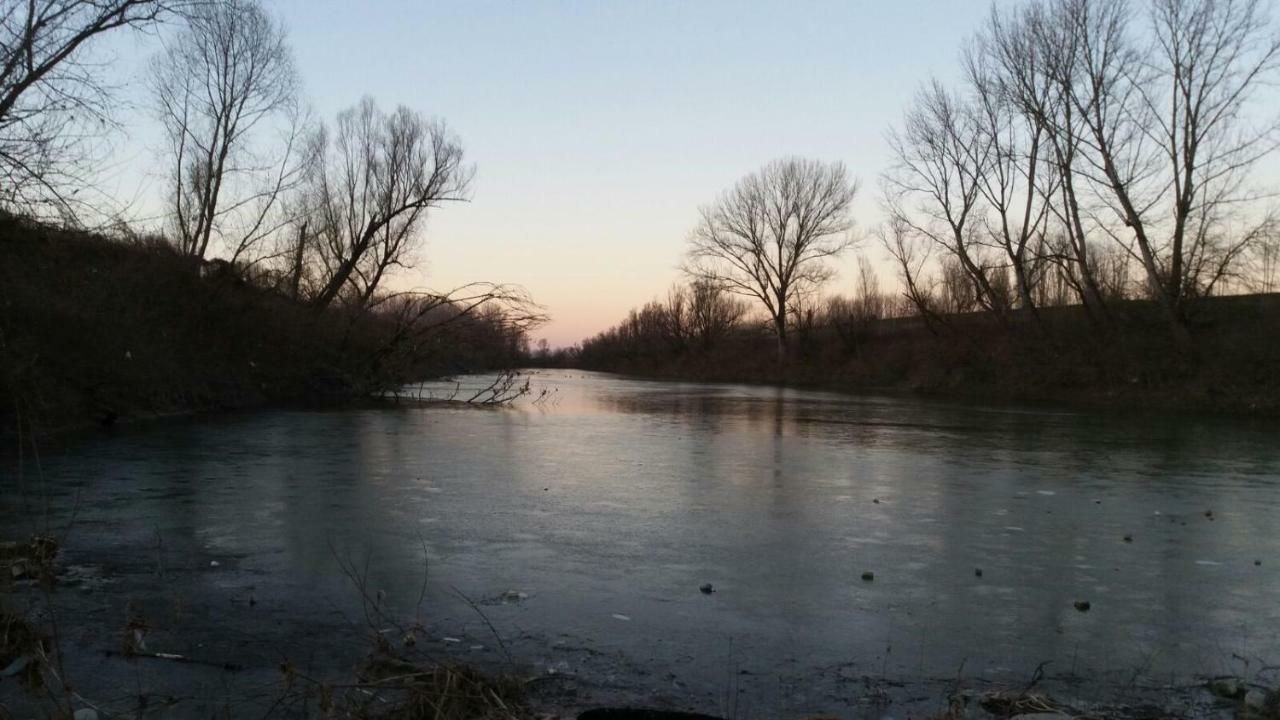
(713, 313)
(1264, 258)
(769, 237)
(1169, 131)
(935, 187)
(380, 175)
(223, 84)
(1014, 180)
(911, 253)
(1020, 49)
(52, 99)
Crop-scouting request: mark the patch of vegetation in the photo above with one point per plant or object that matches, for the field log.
(95, 329)
(1064, 355)
(27, 560)
(23, 651)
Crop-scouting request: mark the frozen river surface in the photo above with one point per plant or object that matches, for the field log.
(584, 526)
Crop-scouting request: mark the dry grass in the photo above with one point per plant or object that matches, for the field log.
(23, 650)
(450, 692)
(1012, 704)
(389, 687)
(28, 560)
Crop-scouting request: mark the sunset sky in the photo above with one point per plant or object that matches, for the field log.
(598, 128)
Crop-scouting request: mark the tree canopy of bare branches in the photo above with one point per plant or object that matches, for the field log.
(53, 99)
(1170, 134)
(227, 94)
(1088, 135)
(943, 163)
(1020, 51)
(1018, 179)
(910, 254)
(379, 176)
(771, 235)
(712, 313)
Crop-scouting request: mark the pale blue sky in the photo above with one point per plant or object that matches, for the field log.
(597, 128)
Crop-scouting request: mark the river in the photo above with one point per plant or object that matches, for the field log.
(584, 526)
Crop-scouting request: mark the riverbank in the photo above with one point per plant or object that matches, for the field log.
(1127, 362)
(96, 330)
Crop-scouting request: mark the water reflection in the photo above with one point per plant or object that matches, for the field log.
(622, 497)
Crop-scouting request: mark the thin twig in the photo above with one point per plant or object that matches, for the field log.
(492, 629)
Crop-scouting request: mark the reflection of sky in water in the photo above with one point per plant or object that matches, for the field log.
(622, 497)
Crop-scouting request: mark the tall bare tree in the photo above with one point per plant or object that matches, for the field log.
(770, 236)
(53, 98)
(380, 176)
(1016, 182)
(227, 93)
(935, 187)
(1021, 50)
(1170, 130)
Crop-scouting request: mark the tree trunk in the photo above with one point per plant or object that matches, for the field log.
(298, 258)
(780, 329)
(1177, 323)
(334, 286)
(343, 273)
(1024, 288)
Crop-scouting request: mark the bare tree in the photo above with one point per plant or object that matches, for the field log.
(871, 301)
(770, 236)
(911, 253)
(1170, 131)
(53, 98)
(298, 251)
(379, 177)
(1023, 51)
(1215, 56)
(805, 311)
(957, 292)
(1016, 182)
(713, 313)
(1056, 286)
(935, 187)
(1264, 258)
(298, 258)
(678, 323)
(852, 318)
(223, 84)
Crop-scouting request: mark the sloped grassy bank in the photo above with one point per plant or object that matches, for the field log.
(95, 330)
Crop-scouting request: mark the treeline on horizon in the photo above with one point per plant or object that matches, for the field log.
(1060, 222)
(267, 213)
